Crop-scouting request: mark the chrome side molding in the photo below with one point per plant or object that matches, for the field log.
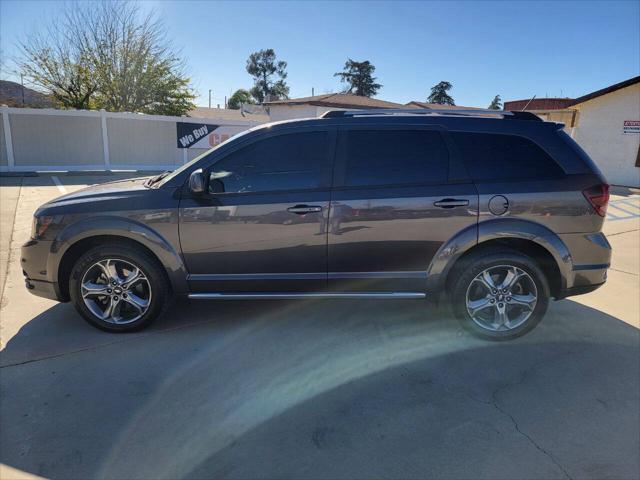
(295, 295)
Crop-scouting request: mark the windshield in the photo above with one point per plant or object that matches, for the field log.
(190, 163)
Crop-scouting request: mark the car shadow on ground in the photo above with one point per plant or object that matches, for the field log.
(321, 389)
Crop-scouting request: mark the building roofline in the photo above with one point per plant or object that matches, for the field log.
(331, 100)
(604, 91)
(539, 98)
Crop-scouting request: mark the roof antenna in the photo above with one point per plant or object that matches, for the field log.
(525, 107)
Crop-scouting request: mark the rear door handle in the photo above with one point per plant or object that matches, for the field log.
(302, 209)
(451, 203)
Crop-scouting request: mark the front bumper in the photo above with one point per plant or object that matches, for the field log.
(38, 280)
(43, 289)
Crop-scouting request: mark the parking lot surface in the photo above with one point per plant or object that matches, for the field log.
(317, 389)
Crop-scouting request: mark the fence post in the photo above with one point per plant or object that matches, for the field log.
(105, 139)
(8, 142)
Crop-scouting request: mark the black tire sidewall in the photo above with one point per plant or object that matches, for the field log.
(139, 258)
(477, 264)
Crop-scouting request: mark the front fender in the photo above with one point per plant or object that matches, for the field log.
(494, 229)
(105, 225)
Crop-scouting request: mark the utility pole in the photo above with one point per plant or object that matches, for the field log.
(225, 102)
(209, 98)
(22, 83)
(312, 92)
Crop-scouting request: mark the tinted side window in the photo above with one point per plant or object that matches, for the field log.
(286, 162)
(392, 157)
(504, 157)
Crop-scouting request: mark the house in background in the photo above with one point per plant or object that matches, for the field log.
(227, 115)
(316, 106)
(546, 103)
(608, 128)
(313, 107)
(606, 123)
(437, 106)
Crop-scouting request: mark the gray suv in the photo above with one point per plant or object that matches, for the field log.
(497, 212)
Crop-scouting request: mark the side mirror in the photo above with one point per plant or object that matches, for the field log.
(196, 182)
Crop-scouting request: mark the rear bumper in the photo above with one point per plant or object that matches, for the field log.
(591, 257)
(570, 292)
(586, 279)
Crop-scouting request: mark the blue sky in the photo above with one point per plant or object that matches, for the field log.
(515, 49)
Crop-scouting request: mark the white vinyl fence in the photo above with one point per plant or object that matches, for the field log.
(34, 139)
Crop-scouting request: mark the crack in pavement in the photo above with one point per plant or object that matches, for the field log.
(622, 271)
(620, 233)
(494, 403)
(138, 336)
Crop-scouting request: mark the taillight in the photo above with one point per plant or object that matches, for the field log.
(598, 197)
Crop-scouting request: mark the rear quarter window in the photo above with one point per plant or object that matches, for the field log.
(499, 157)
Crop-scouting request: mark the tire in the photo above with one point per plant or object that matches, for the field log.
(136, 299)
(470, 284)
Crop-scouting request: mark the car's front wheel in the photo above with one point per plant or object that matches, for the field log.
(500, 295)
(118, 288)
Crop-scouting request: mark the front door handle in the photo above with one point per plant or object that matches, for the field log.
(302, 209)
(451, 203)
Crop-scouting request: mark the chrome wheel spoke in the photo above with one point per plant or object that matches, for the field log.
(108, 311)
(110, 271)
(486, 280)
(138, 303)
(511, 278)
(476, 306)
(500, 318)
(133, 277)
(91, 289)
(528, 301)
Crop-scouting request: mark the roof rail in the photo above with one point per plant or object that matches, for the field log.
(505, 114)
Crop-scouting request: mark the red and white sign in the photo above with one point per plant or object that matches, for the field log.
(631, 126)
(204, 135)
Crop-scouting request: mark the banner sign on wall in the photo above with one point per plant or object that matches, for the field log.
(204, 135)
(631, 126)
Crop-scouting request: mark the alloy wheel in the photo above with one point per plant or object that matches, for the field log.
(116, 291)
(501, 298)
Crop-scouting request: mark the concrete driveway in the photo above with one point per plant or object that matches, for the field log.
(318, 389)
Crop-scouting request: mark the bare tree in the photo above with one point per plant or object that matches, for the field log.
(55, 61)
(117, 58)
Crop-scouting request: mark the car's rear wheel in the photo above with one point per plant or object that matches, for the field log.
(118, 288)
(499, 294)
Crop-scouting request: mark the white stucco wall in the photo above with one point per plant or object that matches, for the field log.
(599, 132)
(288, 112)
(285, 112)
(50, 139)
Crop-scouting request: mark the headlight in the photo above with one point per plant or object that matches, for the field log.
(40, 226)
